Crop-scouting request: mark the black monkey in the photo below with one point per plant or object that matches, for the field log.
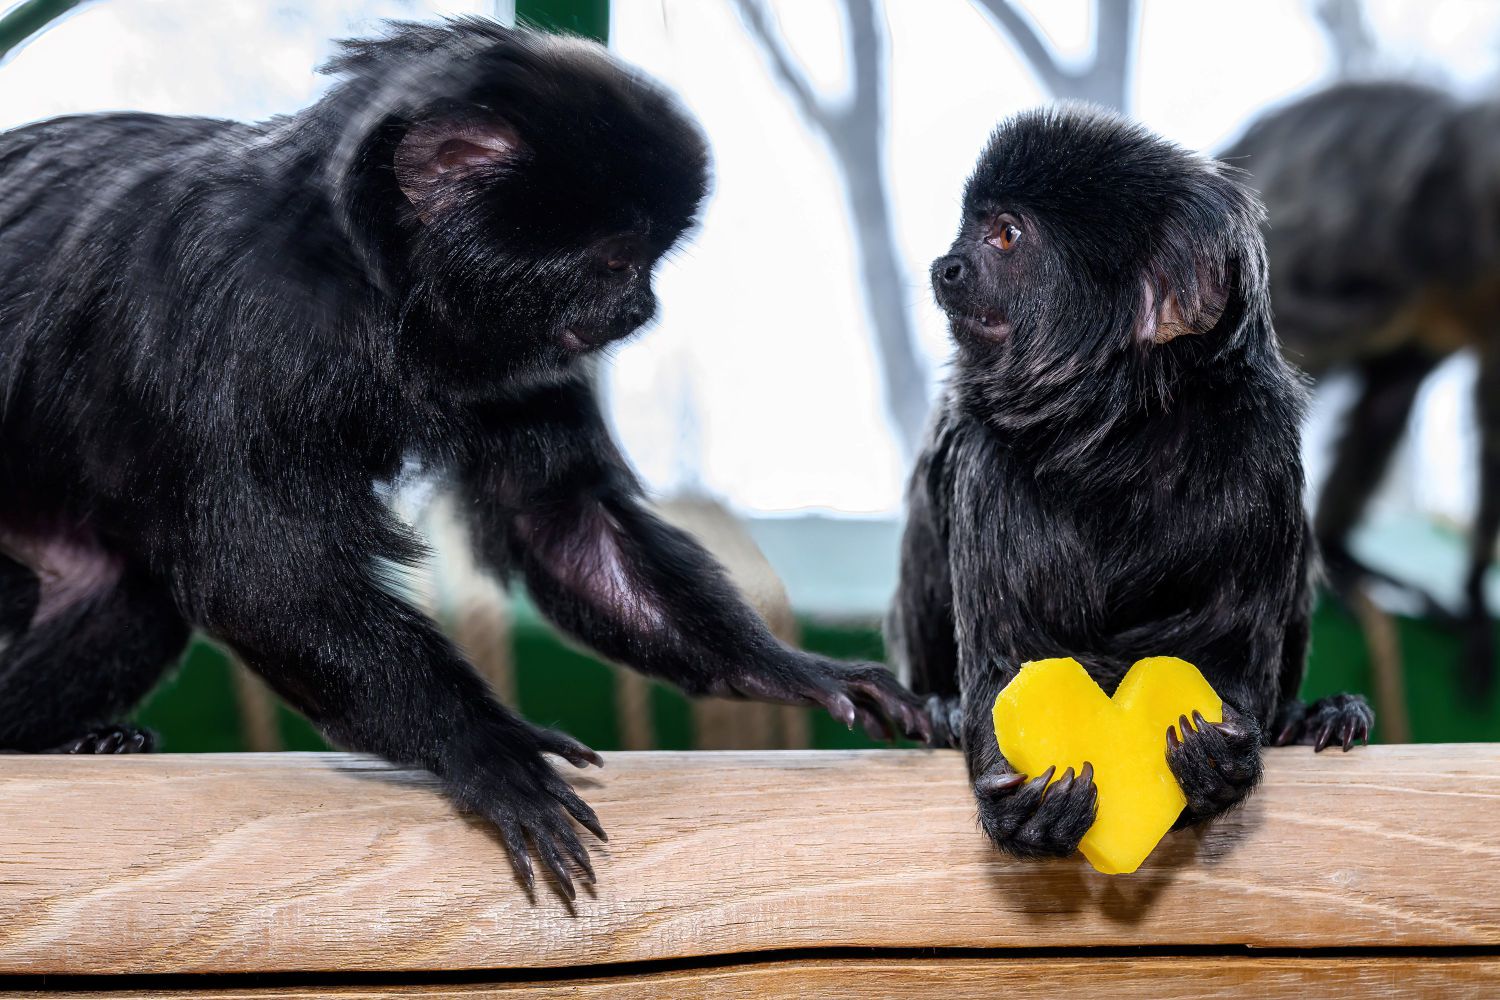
(215, 337)
(1114, 470)
(1383, 230)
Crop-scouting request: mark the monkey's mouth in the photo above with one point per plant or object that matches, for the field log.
(586, 339)
(577, 341)
(988, 325)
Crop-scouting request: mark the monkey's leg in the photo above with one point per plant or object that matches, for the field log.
(1479, 651)
(376, 676)
(84, 662)
(1372, 429)
(919, 627)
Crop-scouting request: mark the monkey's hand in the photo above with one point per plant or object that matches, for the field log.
(110, 739)
(1216, 763)
(1030, 819)
(511, 785)
(1344, 719)
(946, 716)
(866, 693)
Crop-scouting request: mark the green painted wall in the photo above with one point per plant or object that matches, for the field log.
(557, 685)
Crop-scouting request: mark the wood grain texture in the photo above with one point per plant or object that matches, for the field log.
(304, 862)
(971, 978)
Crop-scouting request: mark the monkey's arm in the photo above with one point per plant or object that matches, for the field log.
(290, 582)
(553, 500)
(919, 627)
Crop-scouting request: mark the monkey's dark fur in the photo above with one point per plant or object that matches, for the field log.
(215, 337)
(1114, 470)
(1383, 228)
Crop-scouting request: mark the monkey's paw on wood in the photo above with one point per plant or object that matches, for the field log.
(866, 693)
(1344, 719)
(1215, 763)
(110, 739)
(1030, 819)
(514, 788)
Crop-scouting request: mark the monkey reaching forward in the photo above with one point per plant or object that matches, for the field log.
(1382, 204)
(1114, 470)
(215, 337)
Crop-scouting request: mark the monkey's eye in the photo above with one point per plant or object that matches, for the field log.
(1005, 233)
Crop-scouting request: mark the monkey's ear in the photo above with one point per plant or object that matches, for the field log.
(436, 160)
(1171, 309)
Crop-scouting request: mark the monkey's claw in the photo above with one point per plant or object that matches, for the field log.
(1029, 819)
(866, 693)
(110, 740)
(1216, 763)
(1345, 719)
(530, 804)
(555, 741)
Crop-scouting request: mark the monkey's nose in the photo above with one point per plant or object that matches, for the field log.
(950, 276)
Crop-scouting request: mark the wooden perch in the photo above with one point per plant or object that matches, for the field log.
(341, 865)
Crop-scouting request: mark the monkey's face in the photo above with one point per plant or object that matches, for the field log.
(1086, 246)
(545, 296)
(536, 207)
(993, 274)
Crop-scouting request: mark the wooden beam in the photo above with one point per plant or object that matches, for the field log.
(1174, 978)
(334, 863)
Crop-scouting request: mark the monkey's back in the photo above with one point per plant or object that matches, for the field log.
(85, 193)
(63, 179)
(1380, 217)
(134, 248)
(87, 207)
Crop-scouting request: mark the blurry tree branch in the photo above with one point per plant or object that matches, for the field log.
(27, 19)
(758, 20)
(1104, 80)
(1355, 51)
(854, 130)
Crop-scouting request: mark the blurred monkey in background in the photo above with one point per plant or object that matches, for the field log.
(1383, 229)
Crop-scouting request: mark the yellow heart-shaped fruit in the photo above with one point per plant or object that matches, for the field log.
(1053, 714)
